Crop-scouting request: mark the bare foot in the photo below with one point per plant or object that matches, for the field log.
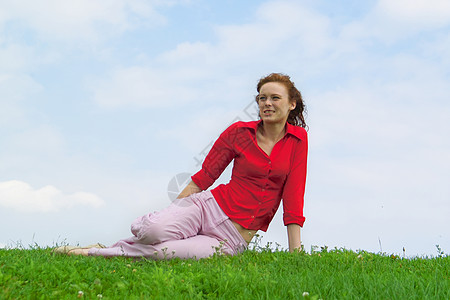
(79, 251)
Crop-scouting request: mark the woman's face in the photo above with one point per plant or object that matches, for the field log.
(273, 101)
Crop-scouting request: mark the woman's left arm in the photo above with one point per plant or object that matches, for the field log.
(294, 187)
(295, 243)
(293, 193)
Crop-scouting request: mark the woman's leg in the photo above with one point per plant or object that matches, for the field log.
(199, 246)
(181, 220)
(191, 227)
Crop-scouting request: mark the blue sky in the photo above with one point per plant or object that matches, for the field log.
(102, 103)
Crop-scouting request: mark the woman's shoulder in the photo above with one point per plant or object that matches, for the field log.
(238, 130)
(297, 131)
(249, 124)
(241, 124)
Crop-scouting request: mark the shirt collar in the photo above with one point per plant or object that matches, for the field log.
(296, 131)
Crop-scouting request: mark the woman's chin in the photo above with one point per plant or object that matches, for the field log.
(271, 120)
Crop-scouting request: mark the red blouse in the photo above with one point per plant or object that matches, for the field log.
(258, 181)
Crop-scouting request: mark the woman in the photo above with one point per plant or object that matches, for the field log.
(269, 165)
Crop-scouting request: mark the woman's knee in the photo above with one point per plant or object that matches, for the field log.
(149, 232)
(152, 233)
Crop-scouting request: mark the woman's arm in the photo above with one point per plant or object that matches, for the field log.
(295, 243)
(294, 187)
(218, 158)
(190, 189)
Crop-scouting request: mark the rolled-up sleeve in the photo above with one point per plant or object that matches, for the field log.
(218, 158)
(294, 188)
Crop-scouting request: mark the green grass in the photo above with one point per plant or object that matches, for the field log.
(264, 274)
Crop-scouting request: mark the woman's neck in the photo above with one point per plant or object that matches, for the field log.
(273, 132)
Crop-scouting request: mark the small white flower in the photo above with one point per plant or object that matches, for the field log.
(305, 294)
(99, 296)
(80, 294)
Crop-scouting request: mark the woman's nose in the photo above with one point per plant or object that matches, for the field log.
(268, 102)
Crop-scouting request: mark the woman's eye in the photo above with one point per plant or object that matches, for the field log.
(276, 97)
(262, 98)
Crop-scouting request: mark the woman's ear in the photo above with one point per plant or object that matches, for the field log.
(293, 105)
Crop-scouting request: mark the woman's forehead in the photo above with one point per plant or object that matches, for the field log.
(273, 88)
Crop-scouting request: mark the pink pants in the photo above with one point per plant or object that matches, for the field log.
(192, 227)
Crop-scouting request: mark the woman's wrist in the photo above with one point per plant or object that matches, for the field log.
(190, 189)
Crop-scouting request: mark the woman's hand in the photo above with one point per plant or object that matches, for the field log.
(295, 243)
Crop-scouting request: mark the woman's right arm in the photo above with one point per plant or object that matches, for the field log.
(190, 189)
(218, 158)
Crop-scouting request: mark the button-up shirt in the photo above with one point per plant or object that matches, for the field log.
(258, 181)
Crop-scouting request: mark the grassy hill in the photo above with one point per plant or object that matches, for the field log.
(264, 274)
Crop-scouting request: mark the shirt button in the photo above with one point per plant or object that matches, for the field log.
(259, 203)
(263, 190)
(270, 162)
(253, 217)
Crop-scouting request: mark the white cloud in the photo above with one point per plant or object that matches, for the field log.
(279, 28)
(42, 139)
(434, 13)
(20, 196)
(283, 25)
(394, 21)
(142, 87)
(201, 70)
(14, 57)
(80, 20)
(13, 89)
